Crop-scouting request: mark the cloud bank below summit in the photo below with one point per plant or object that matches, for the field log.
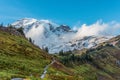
(45, 33)
(99, 29)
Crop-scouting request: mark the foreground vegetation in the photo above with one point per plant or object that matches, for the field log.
(19, 57)
(100, 63)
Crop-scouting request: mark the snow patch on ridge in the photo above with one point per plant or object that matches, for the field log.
(56, 37)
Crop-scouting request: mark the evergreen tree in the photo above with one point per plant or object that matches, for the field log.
(72, 57)
(1, 25)
(61, 53)
(30, 40)
(20, 30)
(46, 49)
(10, 26)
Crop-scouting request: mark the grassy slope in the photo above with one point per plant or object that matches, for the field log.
(102, 63)
(19, 58)
(97, 64)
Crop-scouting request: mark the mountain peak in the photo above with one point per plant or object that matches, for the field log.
(56, 37)
(24, 22)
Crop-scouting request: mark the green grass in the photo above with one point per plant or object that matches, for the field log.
(99, 63)
(20, 58)
(88, 72)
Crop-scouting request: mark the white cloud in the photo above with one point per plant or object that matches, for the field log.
(42, 35)
(99, 29)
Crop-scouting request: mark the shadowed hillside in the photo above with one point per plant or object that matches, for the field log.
(100, 63)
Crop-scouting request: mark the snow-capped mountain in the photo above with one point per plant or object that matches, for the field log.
(56, 37)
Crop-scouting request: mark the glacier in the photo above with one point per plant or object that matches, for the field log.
(55, 37)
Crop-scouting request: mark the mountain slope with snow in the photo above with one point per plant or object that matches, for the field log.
(57, 37)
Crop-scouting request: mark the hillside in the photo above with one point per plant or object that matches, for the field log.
(19, 57)
(99, 63)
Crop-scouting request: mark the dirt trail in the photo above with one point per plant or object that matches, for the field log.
(45, 69)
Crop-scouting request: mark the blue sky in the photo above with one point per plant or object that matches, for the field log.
(70, 12)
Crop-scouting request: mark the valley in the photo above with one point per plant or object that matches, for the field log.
(20, 58)
(59, 39)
